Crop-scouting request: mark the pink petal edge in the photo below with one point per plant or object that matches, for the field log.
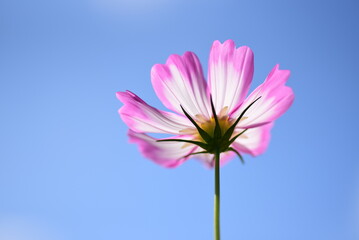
(256, 141)
(166, 154)
(141, 117)
(275, 100)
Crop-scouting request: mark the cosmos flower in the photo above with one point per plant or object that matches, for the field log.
(207, 117)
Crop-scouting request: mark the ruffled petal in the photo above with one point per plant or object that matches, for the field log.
(180, 82)
(254, 141)
(166, 154)
(230, 73)
(141, 117)
(275, 99)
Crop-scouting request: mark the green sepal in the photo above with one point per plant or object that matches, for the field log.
(238, 154)
(230, 130)
(217, 129)
(196, 153)
(200, 144)
(206, 137)
(235, 137)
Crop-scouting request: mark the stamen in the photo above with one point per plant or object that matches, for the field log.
(223, 112)
(188, 131)
(200, 118)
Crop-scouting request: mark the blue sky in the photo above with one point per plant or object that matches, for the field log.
(67, 171)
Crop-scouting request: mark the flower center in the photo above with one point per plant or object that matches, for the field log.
(224, 122)
(208, 125)
(214, 135)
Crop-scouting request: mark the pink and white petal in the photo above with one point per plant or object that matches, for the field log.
(208, 159)
(254, 141)
(166, 154)
(230, 73)
(275, 99)
(141, 117)
(180, 82)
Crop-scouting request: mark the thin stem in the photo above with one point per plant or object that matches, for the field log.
(217, 235)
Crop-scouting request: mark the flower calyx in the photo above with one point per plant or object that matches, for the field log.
(218, 141)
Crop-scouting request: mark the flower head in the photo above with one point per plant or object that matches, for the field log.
(207, 117)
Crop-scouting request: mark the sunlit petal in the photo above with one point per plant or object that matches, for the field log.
(180, 82)
(166, 154)
(275, 99)
(230, 73)
(141, 117)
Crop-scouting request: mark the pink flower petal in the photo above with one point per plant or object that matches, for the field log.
(254, 141)
(166, 154)
(208, 159)
(180, 82)
(141, 117)
(230, 73)
(275, 99)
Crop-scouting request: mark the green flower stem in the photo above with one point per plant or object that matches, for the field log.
(217, 235)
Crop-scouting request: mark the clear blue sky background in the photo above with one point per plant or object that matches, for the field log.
(67, 171)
